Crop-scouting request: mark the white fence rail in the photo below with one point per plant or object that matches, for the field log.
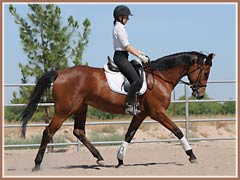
(186, 120)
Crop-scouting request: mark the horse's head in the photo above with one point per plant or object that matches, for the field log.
(198, 74)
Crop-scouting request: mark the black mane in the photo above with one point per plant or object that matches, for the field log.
(177, 59)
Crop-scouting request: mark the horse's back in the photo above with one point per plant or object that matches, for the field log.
(88, 85)
(72, 81)
(76, 74)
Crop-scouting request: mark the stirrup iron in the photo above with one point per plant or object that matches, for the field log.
(132, 109)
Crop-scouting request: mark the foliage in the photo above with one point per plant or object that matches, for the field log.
(11, 114)
(47, 43)
(204, 108)
(228, 108)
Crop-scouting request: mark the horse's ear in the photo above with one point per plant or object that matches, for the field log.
(211, 56)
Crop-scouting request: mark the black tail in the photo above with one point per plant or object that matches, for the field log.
(43, 83)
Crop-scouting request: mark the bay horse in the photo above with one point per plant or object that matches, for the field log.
(77, 87)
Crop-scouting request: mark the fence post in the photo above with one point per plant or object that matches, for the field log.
(186, 112)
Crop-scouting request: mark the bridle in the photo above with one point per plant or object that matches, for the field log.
(196, 84)
(193, 85)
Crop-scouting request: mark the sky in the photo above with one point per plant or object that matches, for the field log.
(158, 29)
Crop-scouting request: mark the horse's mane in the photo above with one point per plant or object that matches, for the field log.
(170, 61)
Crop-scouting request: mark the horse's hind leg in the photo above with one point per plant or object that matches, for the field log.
(163, 118)
(48, 133)
(79, 132)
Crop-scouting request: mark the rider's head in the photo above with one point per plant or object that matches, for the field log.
(120, 13)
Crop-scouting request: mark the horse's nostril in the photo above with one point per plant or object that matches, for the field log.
(200, 96)
(194, 94)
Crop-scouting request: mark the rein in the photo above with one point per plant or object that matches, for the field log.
(194, 85)
(153, 74)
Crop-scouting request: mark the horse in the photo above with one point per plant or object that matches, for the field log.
(76, 88)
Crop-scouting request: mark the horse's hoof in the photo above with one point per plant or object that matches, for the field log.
(101, 162)
(192, 157)
(119, 166)
(120, 163)
(193, 160)
(36, 168)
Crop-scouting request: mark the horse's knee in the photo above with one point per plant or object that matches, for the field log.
(80, 134)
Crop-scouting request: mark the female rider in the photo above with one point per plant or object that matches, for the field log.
(122, 49)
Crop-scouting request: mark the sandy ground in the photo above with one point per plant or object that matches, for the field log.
(215, 158)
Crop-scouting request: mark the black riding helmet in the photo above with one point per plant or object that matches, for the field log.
(121, 10)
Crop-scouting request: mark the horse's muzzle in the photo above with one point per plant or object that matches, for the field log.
(197, 93)
(199, 96)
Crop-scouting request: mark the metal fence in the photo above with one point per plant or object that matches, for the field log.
(186, 120)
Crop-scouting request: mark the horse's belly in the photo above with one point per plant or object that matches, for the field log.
(108, 103)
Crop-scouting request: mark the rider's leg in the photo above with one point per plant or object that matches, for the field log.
(130, 73)
(132, 105)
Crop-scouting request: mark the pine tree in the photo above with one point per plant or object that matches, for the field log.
(47, 43)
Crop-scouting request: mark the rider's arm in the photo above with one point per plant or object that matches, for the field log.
(135, 52)
(132, 50)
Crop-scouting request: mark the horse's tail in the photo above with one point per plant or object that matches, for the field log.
(43, 83)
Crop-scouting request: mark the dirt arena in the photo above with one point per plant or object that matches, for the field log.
(215, 159)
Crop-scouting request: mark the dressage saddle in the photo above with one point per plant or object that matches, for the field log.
(137, 66)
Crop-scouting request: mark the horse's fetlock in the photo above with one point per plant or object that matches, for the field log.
(75, 132)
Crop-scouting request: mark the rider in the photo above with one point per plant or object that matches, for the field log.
(122, 49)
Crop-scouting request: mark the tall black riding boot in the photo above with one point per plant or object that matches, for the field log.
(132, 104)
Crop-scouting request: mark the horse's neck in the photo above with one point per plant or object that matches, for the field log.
(174, 75)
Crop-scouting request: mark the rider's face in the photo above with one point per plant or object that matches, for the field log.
(125, 19)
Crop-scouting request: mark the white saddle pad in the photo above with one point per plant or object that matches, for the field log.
(115, 81)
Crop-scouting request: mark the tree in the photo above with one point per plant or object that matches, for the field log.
(47, 43)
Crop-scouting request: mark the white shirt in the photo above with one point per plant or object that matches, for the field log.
(120, 37)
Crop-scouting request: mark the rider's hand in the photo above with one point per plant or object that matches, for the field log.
(144, 58)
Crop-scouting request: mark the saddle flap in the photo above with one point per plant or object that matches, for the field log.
(138, 68)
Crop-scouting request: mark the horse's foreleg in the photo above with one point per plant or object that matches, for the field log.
(48, 133)
(163, 118)
(79, 132)
(134, 125)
